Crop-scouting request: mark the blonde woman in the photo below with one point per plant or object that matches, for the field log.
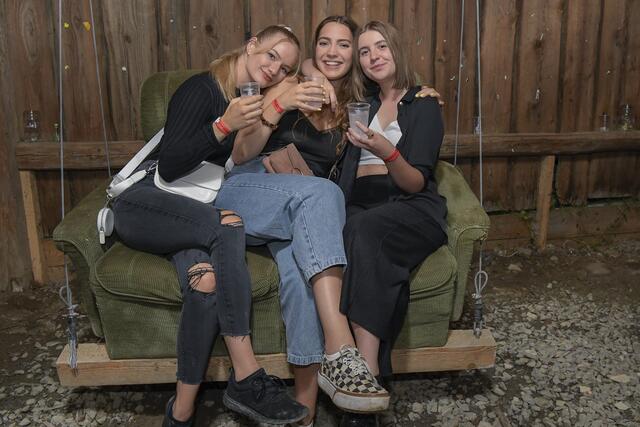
(207, 244)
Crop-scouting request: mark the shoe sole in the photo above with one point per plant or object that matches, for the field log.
(248, 412)
(353, 402)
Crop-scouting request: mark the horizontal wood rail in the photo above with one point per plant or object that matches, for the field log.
(462, 351)
(91, 155)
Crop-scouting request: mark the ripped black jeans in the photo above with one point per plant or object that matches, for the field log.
(189, 232)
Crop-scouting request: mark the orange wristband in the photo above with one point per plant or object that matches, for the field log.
(277, 106)
(394, 155)
(221, 126)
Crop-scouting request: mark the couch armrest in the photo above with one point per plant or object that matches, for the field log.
(467, 223)
(77, 236)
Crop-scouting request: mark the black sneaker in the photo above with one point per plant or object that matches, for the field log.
(169, 421)
(359, 420)
(263, 398)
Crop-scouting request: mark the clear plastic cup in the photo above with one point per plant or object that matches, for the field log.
(249, 89)
(358, 112)
(317, 79)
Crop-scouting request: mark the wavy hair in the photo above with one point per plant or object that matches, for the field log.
(344, 90)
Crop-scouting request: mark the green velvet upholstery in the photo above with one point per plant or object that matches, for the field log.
(132, 299)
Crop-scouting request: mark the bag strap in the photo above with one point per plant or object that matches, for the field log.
(124, 179)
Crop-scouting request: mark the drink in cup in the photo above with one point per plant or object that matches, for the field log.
(249, 89)
(358, 112)
(319, 80)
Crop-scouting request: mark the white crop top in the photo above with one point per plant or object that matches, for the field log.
(392, 133)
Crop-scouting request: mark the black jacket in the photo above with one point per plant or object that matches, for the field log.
(422, 131)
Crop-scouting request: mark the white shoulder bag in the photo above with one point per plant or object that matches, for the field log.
(201, 184)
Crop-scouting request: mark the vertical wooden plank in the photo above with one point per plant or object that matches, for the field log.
(130, 32)
(545, 190)
(320, 9)
(446, 61)
(172, 35)
(83, 121)
(608, 176)
(497, 50)
(213, 27)
(34, 229)
(631, 92)
(415, 19)
(32, 60)
(292, 14)
(535, 98)
(363, 11)
(578, 85)
(15, 265)
(538, 66)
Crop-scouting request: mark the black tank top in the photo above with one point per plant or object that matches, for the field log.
(317, 147)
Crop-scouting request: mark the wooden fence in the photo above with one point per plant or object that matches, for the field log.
(547, 66)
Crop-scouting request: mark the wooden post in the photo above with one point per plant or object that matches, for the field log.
(543, 203)
(34, 229)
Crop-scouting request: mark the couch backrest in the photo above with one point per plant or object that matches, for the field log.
(155, 94)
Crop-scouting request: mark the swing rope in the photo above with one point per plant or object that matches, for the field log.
(481, 277)
(65, 291)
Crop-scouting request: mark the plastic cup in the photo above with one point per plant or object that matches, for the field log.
(249, 89)
(319, 80)
(358, 112)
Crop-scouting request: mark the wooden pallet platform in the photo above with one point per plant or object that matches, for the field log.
(462, 351)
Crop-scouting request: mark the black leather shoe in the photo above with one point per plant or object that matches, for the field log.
(359, 420)
(169, 421)
(263, 398)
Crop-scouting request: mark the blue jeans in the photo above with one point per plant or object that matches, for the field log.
(151, 220)
(301, 219)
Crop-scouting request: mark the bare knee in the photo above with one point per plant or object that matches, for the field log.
(202, 278)
(230, 218)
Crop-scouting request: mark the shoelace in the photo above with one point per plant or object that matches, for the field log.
(354, 362)
(265, 384)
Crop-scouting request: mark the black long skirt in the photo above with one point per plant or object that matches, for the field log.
(384, 241)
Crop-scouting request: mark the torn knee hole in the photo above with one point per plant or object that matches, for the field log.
(230, 218)
(202, 278)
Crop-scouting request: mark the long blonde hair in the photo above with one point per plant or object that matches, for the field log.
(223, 69)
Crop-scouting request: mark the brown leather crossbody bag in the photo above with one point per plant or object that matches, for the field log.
(287, 160)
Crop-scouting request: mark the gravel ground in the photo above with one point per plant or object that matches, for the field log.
(566, 323)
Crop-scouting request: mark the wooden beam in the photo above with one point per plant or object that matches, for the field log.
(462, 351)
(34, 229)
(543, 203)
(567, 223)
(77, 155)
(91, 155)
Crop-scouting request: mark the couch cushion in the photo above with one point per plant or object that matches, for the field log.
(139, 275)
(434, 272)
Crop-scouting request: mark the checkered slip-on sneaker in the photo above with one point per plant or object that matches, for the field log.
(349, 383)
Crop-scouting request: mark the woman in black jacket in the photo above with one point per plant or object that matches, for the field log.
(395, 217)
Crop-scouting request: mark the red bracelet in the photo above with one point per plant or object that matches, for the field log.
(277, 106)
(221, 126)
(394, 155)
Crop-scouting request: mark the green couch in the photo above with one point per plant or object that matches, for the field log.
(132, 299)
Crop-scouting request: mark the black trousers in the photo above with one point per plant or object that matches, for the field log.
(189, 232)
(384, 241)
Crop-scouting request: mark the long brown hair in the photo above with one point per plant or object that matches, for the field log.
(223, 69)
(344, 90)
(405, 78)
